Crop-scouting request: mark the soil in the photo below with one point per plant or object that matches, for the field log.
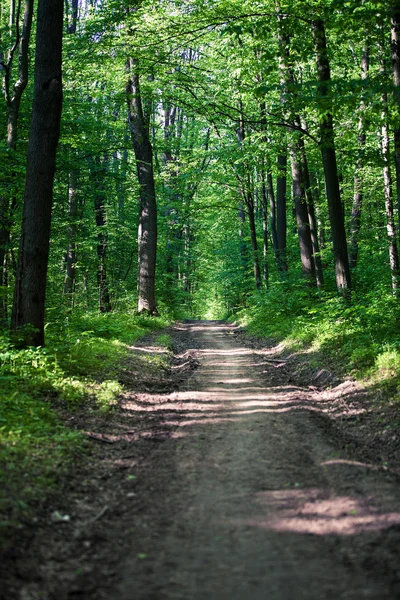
(240, 473)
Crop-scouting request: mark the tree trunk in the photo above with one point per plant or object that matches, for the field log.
(387, 179)
(70, 255)
(281, 224)
(395, 28)
(303, 225)
(13, 100)
(281, 184)
(72, 16)
(312, 219)
(336, 213)
(29, 294)
(147, 230)
(253, 236)
(98, 172)
(264, 202)
(358, 175)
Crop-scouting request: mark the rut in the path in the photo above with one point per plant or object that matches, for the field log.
(250, 499)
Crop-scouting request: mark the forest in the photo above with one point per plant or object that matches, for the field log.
(189, 159)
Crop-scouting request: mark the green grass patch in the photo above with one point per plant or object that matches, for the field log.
(361, 338)
(80, 363)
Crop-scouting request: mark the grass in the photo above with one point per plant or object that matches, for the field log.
(80, 363)
(360, 339)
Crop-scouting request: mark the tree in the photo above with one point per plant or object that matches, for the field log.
(139, 123)
(328, 151)
(29, 293)
(13, 95)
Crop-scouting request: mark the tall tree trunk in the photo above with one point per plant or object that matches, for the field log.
(336, 213)
(358, 174)
(395, 29)
(387, 181)
(272, 214)
(98, 172)
(70, 255)
(303, 225)
(246, 192)
(253, 236)
(264, 206)
(29, 294)
(147, 230)
(268, 202)
(281, 222)
(281, 183)
(312, 219)
(72, 16)
(73, 176)
(13, 101)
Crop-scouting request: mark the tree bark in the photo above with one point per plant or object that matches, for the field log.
(387, 180)
(264, 203)
(303, 225)
(98, 172)
(281, 220)
(395, 39)
(13, 101)
(327, 143)
(29, 293)
(71, 255)
(312, 219)
(358, 175)
(147, 229)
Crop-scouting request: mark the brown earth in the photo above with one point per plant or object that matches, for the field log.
(239, 474)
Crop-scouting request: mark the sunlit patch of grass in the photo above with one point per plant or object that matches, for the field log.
(361, 338)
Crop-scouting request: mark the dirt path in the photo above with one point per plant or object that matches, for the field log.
(245, 494)
(264, 506)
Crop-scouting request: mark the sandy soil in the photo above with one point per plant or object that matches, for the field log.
(231, 478)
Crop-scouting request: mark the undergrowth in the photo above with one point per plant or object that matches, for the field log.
(79, 365)
(359, 338)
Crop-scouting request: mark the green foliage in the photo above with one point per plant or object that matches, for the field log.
(164, 340)
(360, 338)
(80, 364)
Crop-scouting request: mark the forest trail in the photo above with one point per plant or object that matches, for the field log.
(241, 491)
(263, 505)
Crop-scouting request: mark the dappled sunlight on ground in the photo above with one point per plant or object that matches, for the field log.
(311, 512)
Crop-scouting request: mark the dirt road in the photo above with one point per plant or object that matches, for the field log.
(245, 493)
(264, 505)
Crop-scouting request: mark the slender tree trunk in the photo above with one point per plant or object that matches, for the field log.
(147, 230)
(303, 225)
(281, 183)
(272, 214)
(72, 16)
(264, 203)
(98, 173)
(281, 222)
(387, 179)
(102, 243)
(242, 242)
(253, 236)
(319, 275)
(336, 213)
(13, 100)
(71, 255)
(73, 177)
(248, 199)
(395, 29)
(268, 200)
(29, 294)
(358, 174)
